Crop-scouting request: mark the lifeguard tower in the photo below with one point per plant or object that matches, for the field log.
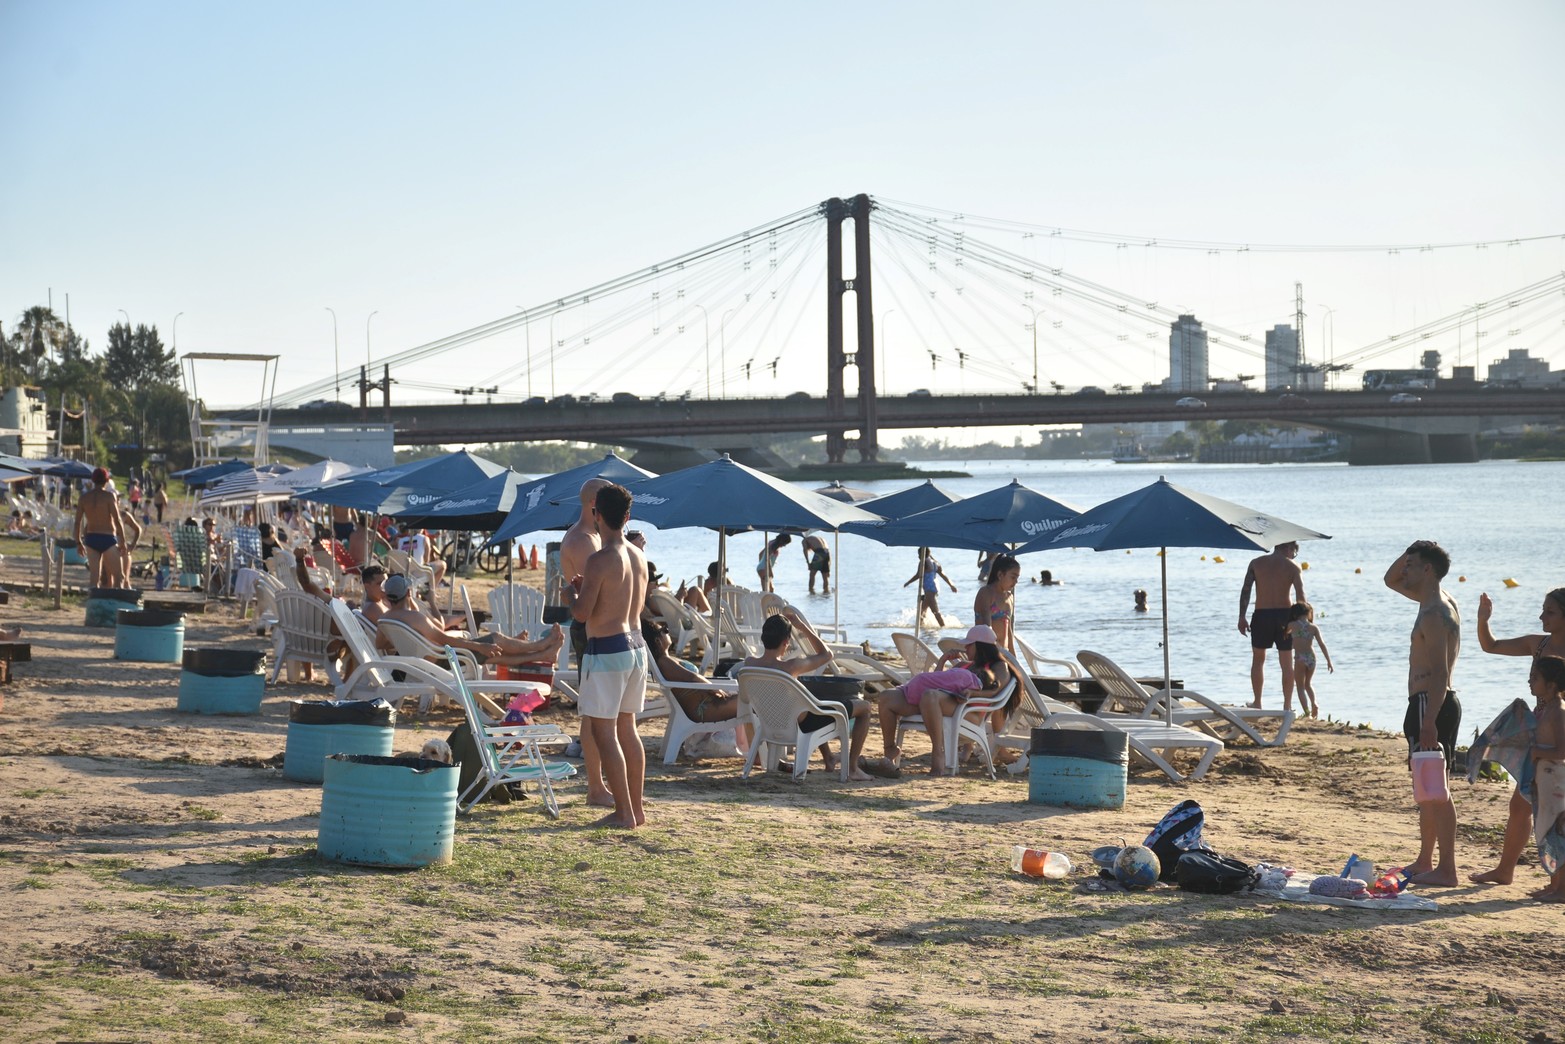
(219, 438)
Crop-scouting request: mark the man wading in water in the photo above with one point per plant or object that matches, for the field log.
(1433, 714)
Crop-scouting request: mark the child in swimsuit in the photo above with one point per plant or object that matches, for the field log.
(1548, 758)
(1301, 626)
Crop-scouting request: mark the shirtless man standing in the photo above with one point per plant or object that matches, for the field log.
(580, 543)
(98, 527)
(1433, 714)
(614, 666)
(1273, 576)
(817, 558)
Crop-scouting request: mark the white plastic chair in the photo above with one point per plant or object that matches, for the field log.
(302, 634)
(1135, 700)
(961, 725)
(772, 701)
(508, 753)
(680, 725)
(1036, 662)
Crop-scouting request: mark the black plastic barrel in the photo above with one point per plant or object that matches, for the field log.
(1112, 747)
(342, 712)
(216, 662)
(149, 618)
(320, 728)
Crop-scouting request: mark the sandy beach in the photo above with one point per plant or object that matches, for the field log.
(162, 884)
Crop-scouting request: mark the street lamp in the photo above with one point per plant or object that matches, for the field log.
(706, 324)
(884, 387)
(174, 333)
(336, 361)
(1034, 347)
(367, 359)
(722, 350)
(126, 315)
(527, 328)
(1331, 344)
(556, 312)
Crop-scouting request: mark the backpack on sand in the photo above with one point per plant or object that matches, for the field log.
(1212, 874)
(1176, 833)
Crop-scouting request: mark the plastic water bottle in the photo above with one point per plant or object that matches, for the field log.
(1035, 862)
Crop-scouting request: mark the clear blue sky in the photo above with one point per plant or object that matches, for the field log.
(251, 165)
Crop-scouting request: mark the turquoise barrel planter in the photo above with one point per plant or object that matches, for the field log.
(379, 811)
(318, 728)
(149, 636)
(1078, 768)
(205, 694)
(68, 553)
(191, 580)
(104, 605)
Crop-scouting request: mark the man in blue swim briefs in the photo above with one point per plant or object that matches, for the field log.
(1433, 714)
(1273, 576)
(608, 599)
(98, 526)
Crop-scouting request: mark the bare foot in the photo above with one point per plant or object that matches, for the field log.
(1499, 875)
(859, 776)
(1256, 705)
(613, 820)
(1441, 877)
(1549, 895)
(601, 800)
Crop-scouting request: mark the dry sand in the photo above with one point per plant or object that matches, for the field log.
(161, 883)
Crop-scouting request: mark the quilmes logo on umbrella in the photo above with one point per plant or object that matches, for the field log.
(454, 505)
(1257, 524)
(534, 495)
(1034, 527)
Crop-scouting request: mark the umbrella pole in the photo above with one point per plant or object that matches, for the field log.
(836, 591)
(1168, 699)
(717, 594)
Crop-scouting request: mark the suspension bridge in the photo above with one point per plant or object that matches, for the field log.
(689, 347)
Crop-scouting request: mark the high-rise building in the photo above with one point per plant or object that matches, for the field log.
(1282, 357)
(1187, 369)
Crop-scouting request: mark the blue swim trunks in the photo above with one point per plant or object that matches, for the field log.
(613, 676)
(99, 542)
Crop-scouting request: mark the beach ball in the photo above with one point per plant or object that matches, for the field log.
(1136, 866)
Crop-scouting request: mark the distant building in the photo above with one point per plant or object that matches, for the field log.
(1519, 367)
(1282, 357)
(24, 423)
(1187, 365)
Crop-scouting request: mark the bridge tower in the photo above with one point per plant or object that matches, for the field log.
(863, 358)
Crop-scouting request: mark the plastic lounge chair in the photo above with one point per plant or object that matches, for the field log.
(1136, 700)
(508, 753)
(772, 701)
(918, 656)
(680, 725)
(1146, 738)
(302, 634)
(1036, 662)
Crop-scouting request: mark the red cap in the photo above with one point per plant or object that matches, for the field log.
(100, 476)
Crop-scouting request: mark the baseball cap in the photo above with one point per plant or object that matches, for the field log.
(396, 588)
(981, 633)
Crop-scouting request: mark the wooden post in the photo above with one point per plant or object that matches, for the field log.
(59, 575)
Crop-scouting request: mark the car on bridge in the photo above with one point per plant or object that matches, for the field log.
(1290, 399)
(1091, 391)
(1405, 399)
(1190, 402)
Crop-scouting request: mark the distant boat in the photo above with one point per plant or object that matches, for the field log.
(1128, 451)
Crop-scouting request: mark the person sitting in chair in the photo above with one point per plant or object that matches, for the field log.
(938, 694)
(491, 648)
(701, 705)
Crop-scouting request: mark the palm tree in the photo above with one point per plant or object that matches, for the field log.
(38, 332)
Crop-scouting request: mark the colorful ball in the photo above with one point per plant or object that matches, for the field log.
(1136, 866)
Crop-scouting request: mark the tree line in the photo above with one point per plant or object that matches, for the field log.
(130, 391)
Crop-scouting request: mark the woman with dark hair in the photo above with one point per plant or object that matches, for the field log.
(1518, 823)
(937, 694)
(995, 604)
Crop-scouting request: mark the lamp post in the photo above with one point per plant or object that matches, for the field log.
(1034, 312)
(884, 387)
(174, 332)
(527, 328)
(557, 311)
(1330, 350)
(368, 361)
(336, 360)
(706, 325)
(126, 315)
(722, 351)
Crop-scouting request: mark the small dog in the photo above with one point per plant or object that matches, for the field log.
(437, 750)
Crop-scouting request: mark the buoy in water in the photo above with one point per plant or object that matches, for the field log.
(1304, 565)
(1217, 558)
(1510, 582)
(1358, 570)
(1461, 579)
(1203, 558)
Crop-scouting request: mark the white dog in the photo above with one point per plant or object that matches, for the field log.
(437, 750)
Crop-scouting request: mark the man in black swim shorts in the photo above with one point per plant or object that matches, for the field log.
(1275, 577)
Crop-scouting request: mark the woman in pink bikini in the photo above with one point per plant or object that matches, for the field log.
(939, 693)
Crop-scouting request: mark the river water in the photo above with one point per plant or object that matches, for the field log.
(1498, 520)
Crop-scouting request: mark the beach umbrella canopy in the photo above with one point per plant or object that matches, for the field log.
(1164, 515)
(197, 478)
(911, 501)
(845, 494)
(251, 486)
(15, 463)
(11, 473)
(73, 469)
(993, 521)
(551, 502)
(726, 496)
(321, 473)
(435, 476)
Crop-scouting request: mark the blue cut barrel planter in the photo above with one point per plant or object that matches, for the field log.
(149, 635)
(222, 681)
(1078, 768)
(318, 728)
(379, 811)
(69, 554)
(104, 605)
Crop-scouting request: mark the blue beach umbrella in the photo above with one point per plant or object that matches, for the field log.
(727, 496)
(1164, 515)
(551, 502)
(72, 469)
(391, 486)
(910, 501)
(206, 474)
(994, 521)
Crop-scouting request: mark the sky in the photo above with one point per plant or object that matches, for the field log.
(249, 167)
